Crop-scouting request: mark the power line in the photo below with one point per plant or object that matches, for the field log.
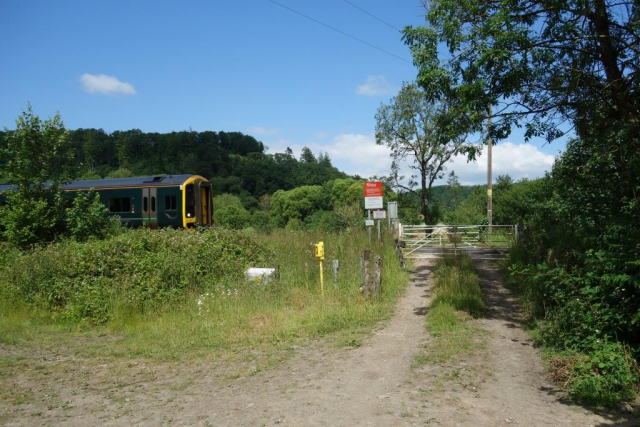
(372, 15)
(341, 32)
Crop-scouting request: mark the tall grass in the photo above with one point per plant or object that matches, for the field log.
(458, 285)
(457, 298)
(229, 312)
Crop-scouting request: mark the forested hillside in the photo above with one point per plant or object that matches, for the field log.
(236, 163)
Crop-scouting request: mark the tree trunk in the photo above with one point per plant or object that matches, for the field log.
(425, 199)
(609, 58)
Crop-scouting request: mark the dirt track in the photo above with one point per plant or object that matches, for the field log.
(373, 385)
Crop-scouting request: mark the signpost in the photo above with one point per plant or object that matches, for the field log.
(373, 195)
(373, 192)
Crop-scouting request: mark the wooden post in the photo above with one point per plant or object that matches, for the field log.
(361, 270)
(367, 274)
(377, 276)
(336, 267)
(489, 166)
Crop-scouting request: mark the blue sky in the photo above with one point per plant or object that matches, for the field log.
(244, 65)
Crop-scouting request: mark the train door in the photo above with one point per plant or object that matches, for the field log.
(205, 202)
(150, 207)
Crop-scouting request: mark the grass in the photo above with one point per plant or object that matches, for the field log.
(233, 314)
(457, 299)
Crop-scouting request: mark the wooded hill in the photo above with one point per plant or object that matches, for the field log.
(235, 163)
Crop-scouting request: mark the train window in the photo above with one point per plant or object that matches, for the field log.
(170, 203)
(145, 204)
(190, 209)
(153, 204)
(120, 204)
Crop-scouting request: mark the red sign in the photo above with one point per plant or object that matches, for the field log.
(373, 189)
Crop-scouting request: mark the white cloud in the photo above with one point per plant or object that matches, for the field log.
(352, 153)
(375, 86)
(358, 154)
(321, 135)
(517, 160)
(107, 85)
(261, 131)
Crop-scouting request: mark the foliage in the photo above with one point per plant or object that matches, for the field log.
(142, 269)
(458, 285)
(226, 199)
(323, 221)
(299, 202)
(120, 173)
(88, 218)
(408, 126)
(346, 191)
(38, 152)
(607, 376)
(28, 220)
(537, 61)
(38, 160)
(232, 216)
(577, 264)
(457, 294)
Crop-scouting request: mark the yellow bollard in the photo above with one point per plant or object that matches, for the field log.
(320, 255)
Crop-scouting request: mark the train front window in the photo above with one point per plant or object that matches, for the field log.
(190, 208)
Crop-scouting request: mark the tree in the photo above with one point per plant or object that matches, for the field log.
(232, 216)
(88, 217)
(411, 127)
(538, 62)
(307, 156)
(39, 159)
(456, 191)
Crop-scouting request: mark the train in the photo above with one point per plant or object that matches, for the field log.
(178, 201)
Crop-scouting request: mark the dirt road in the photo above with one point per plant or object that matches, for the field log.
(372, 385)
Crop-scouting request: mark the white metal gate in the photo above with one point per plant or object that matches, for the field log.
(420, 241)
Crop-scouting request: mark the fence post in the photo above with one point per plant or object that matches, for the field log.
(377, 276)
(336, 267)
(366, 286)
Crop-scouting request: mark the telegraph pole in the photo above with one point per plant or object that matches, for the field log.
(489, 180)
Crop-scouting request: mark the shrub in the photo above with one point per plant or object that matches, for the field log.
(323, 221)
(232, 216)
(142, 269)
(89, 218)
(607, 376)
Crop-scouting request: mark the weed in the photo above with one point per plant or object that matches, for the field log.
(457, 297)
(187, 302)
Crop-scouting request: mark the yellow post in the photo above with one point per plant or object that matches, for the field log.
(321, 280)
(320, 255)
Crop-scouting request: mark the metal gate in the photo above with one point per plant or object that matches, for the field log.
(421, 241)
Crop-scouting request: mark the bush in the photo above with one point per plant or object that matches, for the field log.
(142, 269)
(323, 221)
(89, 218)
(28, 220)
(232, 216)
(607, 376)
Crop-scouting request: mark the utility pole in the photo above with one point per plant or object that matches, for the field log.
(489, 180)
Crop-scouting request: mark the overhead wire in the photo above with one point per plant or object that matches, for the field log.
(371, 15)
(341, 32)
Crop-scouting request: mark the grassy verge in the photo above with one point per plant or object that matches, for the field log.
(457, 299)
(202, 309)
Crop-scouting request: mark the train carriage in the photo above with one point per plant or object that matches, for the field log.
(155, 201)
